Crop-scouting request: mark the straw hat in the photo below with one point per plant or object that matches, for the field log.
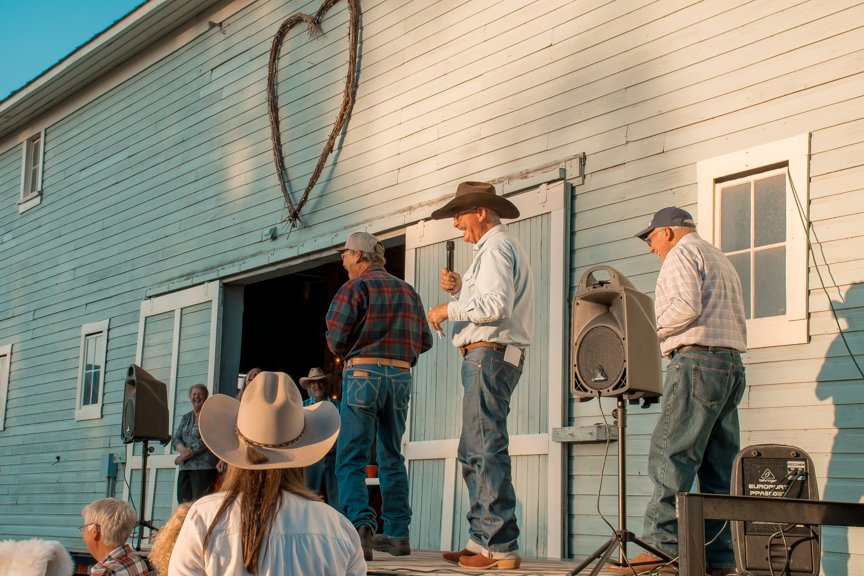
(314, 374)
(271, 419)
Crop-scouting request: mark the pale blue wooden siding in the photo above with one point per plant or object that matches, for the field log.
(192, 348)
(157, 348)
(436, 403)
(426, 478)
(725, 79)
(163, 180)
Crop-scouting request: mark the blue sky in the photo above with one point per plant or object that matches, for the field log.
(36, 34)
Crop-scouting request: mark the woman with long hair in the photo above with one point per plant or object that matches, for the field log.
(265, 521)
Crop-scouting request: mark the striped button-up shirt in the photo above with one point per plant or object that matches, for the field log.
(378, 315)
(698, 298)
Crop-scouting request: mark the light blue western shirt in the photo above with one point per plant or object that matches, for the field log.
(496, 303)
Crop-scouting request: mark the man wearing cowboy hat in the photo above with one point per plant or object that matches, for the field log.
(376, 323)
(321, 476)
(493, 324)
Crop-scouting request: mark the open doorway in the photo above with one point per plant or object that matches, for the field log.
(283, 322)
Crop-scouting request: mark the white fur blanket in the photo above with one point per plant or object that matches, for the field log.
(34, 558)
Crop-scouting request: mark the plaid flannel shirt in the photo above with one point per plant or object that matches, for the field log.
(121, 561)
(378, 315)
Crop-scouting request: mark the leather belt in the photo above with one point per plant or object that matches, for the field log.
(482, 344)
(378, 362)
(698, 348)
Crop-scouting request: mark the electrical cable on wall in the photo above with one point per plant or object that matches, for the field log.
(807, 225)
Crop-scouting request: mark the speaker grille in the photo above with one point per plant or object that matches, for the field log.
(128, 432)
(600, 358)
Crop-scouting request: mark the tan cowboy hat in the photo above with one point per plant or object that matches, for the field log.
(270, 418)
(314, 374)
(473, 195)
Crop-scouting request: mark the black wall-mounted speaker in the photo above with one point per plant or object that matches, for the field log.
(145, 407)
(762, 548)
(614, 345)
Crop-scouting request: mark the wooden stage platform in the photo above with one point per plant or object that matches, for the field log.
(422, 562)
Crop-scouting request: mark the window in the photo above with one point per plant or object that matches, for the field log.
(91, 371)
(5, 360)
(753, 206)
(31, 172)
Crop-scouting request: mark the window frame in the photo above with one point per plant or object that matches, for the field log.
(91, 411)
(5, 352)
(793, 154)
(26, 198)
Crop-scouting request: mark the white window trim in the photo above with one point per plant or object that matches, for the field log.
(4, 382)
(795, 152)
(27, 201)
(93, 411)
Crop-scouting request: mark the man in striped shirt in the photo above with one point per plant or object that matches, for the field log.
(377, 324)
(701, 325)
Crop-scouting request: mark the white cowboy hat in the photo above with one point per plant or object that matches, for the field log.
(270, 418)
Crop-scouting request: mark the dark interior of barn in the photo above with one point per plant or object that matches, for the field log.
(284, 318)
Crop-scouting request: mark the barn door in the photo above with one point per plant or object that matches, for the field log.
(177, 344)
(438, 496)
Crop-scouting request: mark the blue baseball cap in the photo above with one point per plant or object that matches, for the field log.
(670, 216)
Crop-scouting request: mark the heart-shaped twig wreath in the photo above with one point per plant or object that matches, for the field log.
(314, 25)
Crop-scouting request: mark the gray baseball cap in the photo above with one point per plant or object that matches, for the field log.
(670, 216)
(362, 241)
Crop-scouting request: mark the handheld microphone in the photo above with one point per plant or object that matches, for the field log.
(450, 246)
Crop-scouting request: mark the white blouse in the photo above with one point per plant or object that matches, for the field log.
(307, 537)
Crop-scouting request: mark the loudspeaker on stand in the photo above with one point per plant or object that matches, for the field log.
(615, 350)
(145, 407)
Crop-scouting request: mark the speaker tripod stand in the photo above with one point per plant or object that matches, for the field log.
(622, 536)
(142, 523)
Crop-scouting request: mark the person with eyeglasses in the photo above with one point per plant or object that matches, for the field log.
(108, 523)
(699, 308)
(492, 316)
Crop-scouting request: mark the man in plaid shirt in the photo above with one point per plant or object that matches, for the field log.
(107, 525)
(377, 324)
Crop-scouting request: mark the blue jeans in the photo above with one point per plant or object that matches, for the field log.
(488, 384)
(321, 478)
(374, 397)
(697, 435)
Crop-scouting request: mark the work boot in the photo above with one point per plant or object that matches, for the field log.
(453, 557)
(393, 546)
(646, 563)
(365, 532)
(483, 562)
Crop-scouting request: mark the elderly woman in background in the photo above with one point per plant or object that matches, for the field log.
(265, 521)
(197, 464)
